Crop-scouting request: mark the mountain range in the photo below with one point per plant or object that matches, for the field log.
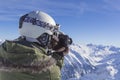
(92, 62)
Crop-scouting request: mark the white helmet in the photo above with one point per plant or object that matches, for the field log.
(37, 23)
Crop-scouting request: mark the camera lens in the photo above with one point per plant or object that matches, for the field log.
(70, 41)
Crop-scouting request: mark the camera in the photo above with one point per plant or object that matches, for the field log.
(64, 40)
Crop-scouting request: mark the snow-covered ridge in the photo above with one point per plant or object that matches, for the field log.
(92, 62)
(1, 41)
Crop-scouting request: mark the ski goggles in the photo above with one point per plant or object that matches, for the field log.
(42, 24)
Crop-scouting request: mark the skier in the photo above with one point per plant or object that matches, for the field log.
(38, 53)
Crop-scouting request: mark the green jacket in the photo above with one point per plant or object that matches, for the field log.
(23, 60)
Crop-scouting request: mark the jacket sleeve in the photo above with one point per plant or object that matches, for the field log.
(59, 58)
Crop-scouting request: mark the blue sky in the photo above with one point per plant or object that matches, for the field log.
(86, 21)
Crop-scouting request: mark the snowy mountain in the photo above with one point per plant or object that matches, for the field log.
(1, 41)
(92, 62)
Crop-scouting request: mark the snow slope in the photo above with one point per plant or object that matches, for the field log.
(92, 62)
(1, 41)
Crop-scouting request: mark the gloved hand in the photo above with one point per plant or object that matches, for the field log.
(60, 53)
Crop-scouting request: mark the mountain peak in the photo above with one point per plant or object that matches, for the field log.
(92, 62)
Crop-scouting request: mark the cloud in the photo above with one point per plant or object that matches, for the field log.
(106, 7)
(57, 8)
(113, 4)
(12, 9)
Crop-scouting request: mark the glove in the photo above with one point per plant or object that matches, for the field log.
(57, 55)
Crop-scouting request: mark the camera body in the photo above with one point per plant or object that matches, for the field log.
(64, 40)
(61, 45)
(60, 41)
